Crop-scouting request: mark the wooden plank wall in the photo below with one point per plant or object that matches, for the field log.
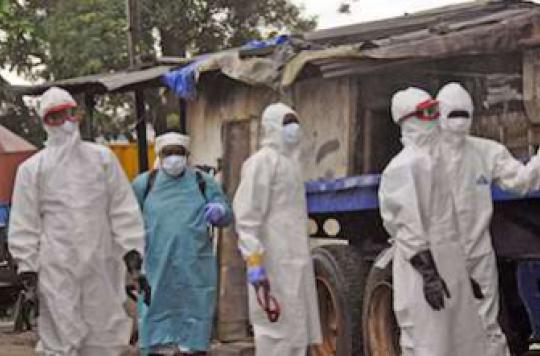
(327, 110)
(221, 100)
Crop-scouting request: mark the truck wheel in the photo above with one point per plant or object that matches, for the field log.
(381, 332)
(340, 272)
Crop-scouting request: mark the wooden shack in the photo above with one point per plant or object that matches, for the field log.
(342, 92)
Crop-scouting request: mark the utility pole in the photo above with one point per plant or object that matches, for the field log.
(132, 11)
(133, 17)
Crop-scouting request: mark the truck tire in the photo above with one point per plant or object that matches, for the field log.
(340, 272)
(381, 332)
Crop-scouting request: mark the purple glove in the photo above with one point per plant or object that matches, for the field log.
(214, 213)
(256, 275)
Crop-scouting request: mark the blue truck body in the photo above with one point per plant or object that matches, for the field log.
(360, 193)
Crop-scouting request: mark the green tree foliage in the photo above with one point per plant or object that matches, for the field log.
(63, 38)
(85, 37)
(57, 39)
(22, 37)
(209, 25)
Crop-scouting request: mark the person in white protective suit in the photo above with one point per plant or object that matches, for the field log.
(74, 219)
(271, 221)
(475, 164)
(433, 298)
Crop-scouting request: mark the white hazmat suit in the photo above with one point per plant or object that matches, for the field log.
(475, 163)
(418, 213)
(271, 221)
(74, 217)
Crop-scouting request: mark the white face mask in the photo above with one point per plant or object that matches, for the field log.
(419, 132)
(174, 165)
(60, 134)
(456, 125)
(292, 134)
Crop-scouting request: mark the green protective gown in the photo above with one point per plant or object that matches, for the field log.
(179, 261)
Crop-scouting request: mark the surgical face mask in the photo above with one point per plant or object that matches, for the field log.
(420, 126)
(292, 134)
(419, 132)
(70, 126)
(174, 165)
(457, 125)
(60, 134)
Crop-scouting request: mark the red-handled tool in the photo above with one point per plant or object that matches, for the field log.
(268, 302)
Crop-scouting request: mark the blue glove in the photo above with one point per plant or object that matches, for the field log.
(214, 213)
(256, 275)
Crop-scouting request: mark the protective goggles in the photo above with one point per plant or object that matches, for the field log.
(59, 115)
(425, 111)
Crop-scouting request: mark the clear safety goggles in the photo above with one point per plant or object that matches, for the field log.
(59, 115)
(425, 111)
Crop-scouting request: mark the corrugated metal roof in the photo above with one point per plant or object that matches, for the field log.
(103, 83)
(376, 30)
(508, 29)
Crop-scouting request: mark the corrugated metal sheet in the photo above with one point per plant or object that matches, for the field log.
(102, 83)
(501, 32)
(376, 30)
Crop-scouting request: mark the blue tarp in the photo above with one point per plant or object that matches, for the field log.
(183, 81)
(276, 41)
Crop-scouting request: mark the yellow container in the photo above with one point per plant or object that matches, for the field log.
(127, 154)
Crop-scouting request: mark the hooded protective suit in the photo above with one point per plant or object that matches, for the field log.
(476, 163)
(271, 221)
(418, 213)
(179, 259)
(74, 217)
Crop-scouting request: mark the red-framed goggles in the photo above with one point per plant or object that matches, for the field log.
(58, 115)
(425, 111)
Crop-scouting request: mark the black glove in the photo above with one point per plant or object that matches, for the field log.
(477, 291)
(28, 281)
(435, 288)
(133, 262)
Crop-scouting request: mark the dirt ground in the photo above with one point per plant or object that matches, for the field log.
(23, 344)
(16, 344)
